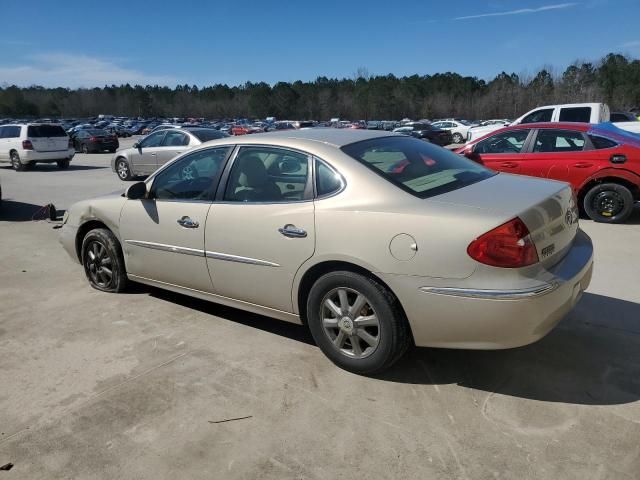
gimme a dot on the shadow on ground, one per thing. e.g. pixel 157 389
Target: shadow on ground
pixel 45 167
pixel 579 362
pixel 12 211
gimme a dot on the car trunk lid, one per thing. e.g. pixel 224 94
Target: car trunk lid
pixel 547 208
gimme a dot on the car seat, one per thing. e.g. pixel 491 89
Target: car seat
pixel 252 183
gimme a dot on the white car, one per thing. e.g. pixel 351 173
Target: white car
pixel 458 129
pixel 25 144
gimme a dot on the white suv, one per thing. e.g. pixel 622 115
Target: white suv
pixel 24 145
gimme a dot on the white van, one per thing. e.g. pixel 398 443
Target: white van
pixel 24 145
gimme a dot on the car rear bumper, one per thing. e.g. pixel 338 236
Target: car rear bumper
pixel 35 156
pixel 477 318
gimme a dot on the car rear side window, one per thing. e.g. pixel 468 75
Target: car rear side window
pixel 575 114
pixel 506 142
pixel 175 139
pixel 328 181
pixel 12 132
pixel 558 141
pixel 40 131
pixel 542 115
pixel 415 166
pixel 209 134
pixel 600 143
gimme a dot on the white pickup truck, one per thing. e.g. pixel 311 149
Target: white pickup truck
pixel 570 112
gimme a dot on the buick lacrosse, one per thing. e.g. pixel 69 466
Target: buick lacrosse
pixel 375 240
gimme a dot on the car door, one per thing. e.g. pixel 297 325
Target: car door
pixel 503 151
pixel 143 157
pixel 4 145
pixel 173 144
pixel 261 228
pixel 559 154
pixel 163 235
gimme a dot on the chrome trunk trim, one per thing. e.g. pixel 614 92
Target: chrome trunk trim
pixel 493 294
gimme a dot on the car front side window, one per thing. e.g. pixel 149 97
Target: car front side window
pixel 542 115
pixel 505 142
pixel 193 177
pixel 153 140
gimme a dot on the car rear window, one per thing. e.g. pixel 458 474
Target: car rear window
pixel 206 135
pixel 38 131
pixel 97 132
pixel 416 166
pixel 600 143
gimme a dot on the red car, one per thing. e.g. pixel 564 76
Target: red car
pixel 601 162
pixel 245 129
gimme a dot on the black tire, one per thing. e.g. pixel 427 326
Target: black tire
pixel 392 332
pixel 85 148
pixel 101 253
pixel 608 203
pixel 457 138
pixel 16 163
pixel 63 164
pixel 122 169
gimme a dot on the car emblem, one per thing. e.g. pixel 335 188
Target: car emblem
pixel 570 217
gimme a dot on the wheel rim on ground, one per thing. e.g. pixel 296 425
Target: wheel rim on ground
pixel 608 203
pixel 350 322
pixel 123 169
pixel 15 160
pixel 98 263
pixel 85 149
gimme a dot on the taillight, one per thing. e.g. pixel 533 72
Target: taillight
pixel 93 139
pixel 27 145
pixel 507 246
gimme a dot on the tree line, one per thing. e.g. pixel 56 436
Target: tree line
pixel 615 79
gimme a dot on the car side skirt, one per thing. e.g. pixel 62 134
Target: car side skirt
pixel 212 297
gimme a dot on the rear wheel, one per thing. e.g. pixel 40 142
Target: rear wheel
pixel 17 165
pixel 457 138
pixel 103 261
pixel 85 148
pixel 608 203
pixel 63 164
pixel 122 169
pixel 356 322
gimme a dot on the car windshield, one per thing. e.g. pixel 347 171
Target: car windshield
pixel 416 166
pixel 204 135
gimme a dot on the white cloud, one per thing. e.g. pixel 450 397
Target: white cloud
pixel 632 44
pixel 520 11
pixel 73 71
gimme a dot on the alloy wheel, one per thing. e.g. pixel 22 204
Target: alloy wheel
pixel 123 170
pixel 350 322
pixel 99 264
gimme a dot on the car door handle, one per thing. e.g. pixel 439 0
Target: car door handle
pixel 583 165
pixel 290 230
pixel 186 222
pixel 509 165
pixel 153 154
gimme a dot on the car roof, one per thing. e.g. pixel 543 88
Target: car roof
pixel 337 137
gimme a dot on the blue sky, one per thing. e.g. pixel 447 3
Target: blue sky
pixel 92 43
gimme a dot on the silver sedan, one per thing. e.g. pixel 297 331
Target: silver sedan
pixel 375 240
pixel 157 148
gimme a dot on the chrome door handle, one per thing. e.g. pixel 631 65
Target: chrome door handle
pixel 290 230
pixel 186 222
pixel 509 164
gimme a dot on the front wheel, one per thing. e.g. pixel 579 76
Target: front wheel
pixel 608 203
pixel 123 170
pixel 356 322
pixel 103 261
pixel 63 164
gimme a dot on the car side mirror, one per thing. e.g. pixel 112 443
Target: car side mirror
pixel 136 145
pixel 137 191
pixel 471 154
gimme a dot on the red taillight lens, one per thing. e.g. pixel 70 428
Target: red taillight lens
pixel 93 139
pixel 27 145
pixel 507 246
